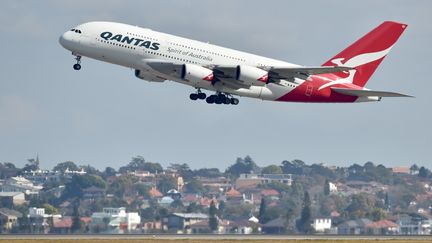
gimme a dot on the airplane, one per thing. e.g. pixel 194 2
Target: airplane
pixel 157 57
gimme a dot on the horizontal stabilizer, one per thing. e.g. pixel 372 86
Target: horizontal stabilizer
pixel 367 93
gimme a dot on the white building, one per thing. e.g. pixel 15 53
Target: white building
pixel 115 220
pixel 20 184
pixel 321 225
pixel 332 187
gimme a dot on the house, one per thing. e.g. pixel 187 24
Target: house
pixel 414 224
pixel 174 194
pixel 354 227
pixel 215 185
pixel 40 177
pixel 203 227
pixel 39 221
pixel 9 220
pixel 233 194
pixel 275 226
pixel 155 193
pixel 153 226
pixel 115 220
pixel 244 227
pixel 332 187
pixel 382 227
pixel 93 193
pixel 9 199
pixel 20 184
pixel 183 221
pixel 322 225
pixel 62 225
pixel 253 180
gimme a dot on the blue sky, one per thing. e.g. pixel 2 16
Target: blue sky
pixel 103 115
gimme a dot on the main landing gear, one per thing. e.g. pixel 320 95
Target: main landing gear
pixel 218 98
pixel 77 66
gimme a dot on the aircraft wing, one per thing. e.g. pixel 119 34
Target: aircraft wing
pixel 366 93
pixel 290 72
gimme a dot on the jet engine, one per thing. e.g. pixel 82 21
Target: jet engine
pixel 251 76
pixel 196 74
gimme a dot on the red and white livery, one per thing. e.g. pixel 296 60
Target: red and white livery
pixel 157 57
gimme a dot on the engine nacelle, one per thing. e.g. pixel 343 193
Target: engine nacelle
pixel 196 74
pixel 252 76
pixel 147 76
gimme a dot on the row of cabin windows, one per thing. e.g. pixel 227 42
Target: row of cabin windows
pixel 208 52
pixel 172 57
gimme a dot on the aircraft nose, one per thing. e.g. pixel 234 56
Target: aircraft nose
pixel 66 40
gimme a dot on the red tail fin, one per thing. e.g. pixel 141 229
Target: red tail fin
pixel 367 53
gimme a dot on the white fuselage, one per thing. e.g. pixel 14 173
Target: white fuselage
pixel 133 47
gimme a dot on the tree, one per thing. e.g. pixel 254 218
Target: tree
pixel 33 164
pixel 194 186
pixel 183 170
pixel 109 171
pixel 326 187
pixel 65 165
pixel 305 219
pixel 414 169
pixel 77 224
pixel 166 183
pixel 272 169
pixel 78 182
pixel 293 167
pixel 208 172
pixel 423 172
pixel 213 221
pixel 262 210
pixel 242 166
pixel 139 163
pixel 50 209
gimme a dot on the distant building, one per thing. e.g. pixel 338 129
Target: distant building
pixel 39 221
pixel 354 227
pixel 183 221
pixel 40 177
pixel 93 193
pixel 382 227
pixel 275 226
pixel 115 220
pixel 321 225
pixel 9 199
pixel 9 219
pixel 252 180
pixel 62 225
pixel 401 170
pixel 332 187
pixel 20 184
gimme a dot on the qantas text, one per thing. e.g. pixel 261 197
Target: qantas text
pixel 129 40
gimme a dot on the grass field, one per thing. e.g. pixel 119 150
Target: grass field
pixel 206 241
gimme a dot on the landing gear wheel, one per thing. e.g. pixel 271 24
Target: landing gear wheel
pixel 218 100
pixel 201 96
pixel 234 101
pixel 193 96
pixel 227 101
pixel 210 99
pixel 77 66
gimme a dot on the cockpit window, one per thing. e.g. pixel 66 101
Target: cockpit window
pixel 76 31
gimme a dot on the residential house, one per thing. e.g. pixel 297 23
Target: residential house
pixel 40 177
pixel 92 193
pixel 183 221
pixel 62 225
pixel 216 185
pixel 9 220
pixel 354 227
pixel 203 227
pixel 253 180
pixel 174 194
pixel 322 225
pixel 155 193
pixel 20 184
pixel 382 227
pixel 9 199
pixel 115 220
pixel 39 222
pixel 244 227
pixel 275 226
pixel 414 224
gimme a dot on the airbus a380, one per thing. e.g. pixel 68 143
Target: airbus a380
pixel 157 57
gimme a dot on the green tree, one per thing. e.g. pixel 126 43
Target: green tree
pixel 78 182
pixel 213 221
pixel 242 166
pixel 326 187
pixel 194 186
pixel 32 164
pixel 208 172
pixel 50 209
pixel 305 218
pixel 65 165
pixel 166 183
pixel 423 172
pixel 262 210
pixel 272 169
pixel 414 169
pixel 77 224
pixel 139 163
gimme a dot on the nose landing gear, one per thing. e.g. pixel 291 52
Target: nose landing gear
pixel 77 66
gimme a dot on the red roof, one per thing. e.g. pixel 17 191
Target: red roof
pixel 269 193
pixel 65 222
pixel 233 193
pixel 155 192
pixel 86 220
pixel 382 224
